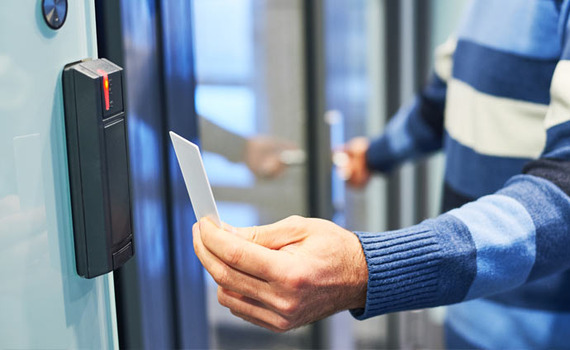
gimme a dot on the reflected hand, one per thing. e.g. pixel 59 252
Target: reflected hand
pixel 263 155
pixel 284 275
pixel 353 167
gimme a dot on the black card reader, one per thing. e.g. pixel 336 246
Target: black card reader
pixel 97 153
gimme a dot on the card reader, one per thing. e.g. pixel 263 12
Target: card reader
pixel 97 153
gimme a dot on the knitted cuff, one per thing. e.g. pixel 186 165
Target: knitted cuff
pixel 379 156
pixel 403 270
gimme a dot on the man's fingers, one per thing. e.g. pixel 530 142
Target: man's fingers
pixel 229 228
pixel 257 322
pixel 274 236
pixel 226 276
pixel 253 311
pixel 239 253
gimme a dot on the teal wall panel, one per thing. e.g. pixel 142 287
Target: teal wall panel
pixel 43 302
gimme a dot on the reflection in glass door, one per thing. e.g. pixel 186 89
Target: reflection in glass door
pixel 251 101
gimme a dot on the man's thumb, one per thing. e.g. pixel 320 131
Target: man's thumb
pixel 273 236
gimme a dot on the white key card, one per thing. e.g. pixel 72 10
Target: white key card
pixel 196 180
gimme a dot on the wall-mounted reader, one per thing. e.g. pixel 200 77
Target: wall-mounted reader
pixel 98 166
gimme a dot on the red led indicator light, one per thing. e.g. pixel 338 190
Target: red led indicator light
pixel 105 88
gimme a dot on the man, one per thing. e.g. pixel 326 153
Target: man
pixel 499 106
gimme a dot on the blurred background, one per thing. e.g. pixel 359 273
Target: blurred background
pixel 268 88
pixel 317 75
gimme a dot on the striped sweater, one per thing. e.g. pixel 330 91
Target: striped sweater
pixel 499 106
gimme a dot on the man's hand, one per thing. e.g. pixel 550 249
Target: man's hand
pixel 284 275
pixel 354 170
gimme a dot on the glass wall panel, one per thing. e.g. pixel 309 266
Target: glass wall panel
pixel 44 303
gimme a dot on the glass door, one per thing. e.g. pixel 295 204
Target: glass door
pixel 250 98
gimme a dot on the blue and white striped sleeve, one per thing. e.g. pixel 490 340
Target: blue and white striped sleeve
pixel 416 129
pixel 519 234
